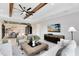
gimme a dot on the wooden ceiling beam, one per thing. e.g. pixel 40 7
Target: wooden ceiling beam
pixel 39 7
pixel 36 9
pixel 11 9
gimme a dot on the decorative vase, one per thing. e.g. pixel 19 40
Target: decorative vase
pixel 33 43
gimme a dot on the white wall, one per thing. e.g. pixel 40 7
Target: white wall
pixel 65 21
pixel 36 29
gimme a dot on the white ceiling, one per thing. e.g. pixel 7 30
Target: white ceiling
pixel 54 9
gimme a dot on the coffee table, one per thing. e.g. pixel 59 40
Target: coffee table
pixel 33 50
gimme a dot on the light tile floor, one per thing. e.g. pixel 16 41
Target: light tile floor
pixel 77 51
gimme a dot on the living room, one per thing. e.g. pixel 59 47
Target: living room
pixel 54 19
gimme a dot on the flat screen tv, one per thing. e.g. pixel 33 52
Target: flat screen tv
pixel 54 28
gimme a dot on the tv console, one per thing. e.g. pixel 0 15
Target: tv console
pixel 53 38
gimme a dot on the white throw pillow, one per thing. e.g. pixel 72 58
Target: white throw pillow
pixel 6 49
pixel 63 42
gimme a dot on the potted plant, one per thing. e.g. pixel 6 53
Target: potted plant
pixel 35 39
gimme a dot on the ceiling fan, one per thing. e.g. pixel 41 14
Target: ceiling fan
pixel 25 11
pixel 28 12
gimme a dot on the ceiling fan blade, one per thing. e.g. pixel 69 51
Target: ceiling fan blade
pixel 24 8
pixel 11 8
pixel 17 9
pixel 21 13
pixel 29 9
pixel 37 8
pixel 21 7
pixel 25 17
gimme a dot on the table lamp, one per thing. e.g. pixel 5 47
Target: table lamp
pixel 72 29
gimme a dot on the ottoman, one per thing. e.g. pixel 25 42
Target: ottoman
pixel 33 50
